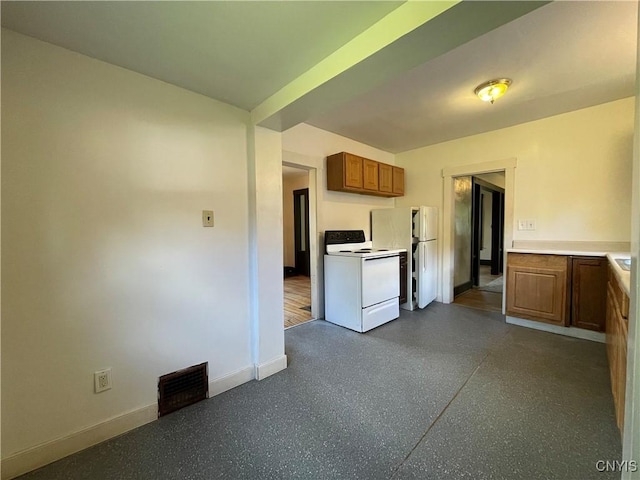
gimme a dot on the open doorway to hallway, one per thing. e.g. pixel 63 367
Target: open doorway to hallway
pixel 296 246
pixel 479 240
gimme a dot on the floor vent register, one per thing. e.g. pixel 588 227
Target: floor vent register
pixel 182 388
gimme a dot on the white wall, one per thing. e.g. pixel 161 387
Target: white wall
pixel 309 146
pixel 289 184
pixel 267 289
pixel 572 176
pixel 105 262
pixel 340 211
pixel 495 178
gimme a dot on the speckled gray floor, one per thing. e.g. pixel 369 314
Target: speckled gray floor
pixel 444 393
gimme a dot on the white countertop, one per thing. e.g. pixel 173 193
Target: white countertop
pixel 623 276
pixel 543 251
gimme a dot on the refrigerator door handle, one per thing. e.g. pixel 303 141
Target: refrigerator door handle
pixel 421 279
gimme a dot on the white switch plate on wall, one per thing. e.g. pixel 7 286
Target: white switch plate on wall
pixel 526 224
pixel 207 218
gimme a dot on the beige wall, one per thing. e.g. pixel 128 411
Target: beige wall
pixel 289 184
pixel 105 261
pixel 572 175
pixel 309 146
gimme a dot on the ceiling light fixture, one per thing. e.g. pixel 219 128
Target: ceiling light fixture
pixel 489 91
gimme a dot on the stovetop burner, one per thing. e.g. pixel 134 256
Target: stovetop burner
pixel 352 243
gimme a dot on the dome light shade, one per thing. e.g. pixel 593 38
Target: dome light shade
pixel 489 91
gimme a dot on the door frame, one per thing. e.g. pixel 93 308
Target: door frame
pixel 507 166
pixel 317 310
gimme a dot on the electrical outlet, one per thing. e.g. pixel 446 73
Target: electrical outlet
pixel 526 224
pixel 207 218
pixel 102 380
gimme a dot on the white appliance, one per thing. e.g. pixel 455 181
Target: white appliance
pixel 415 229
pixel 361 284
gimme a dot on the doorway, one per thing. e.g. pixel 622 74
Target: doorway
pixel 479 240
pixel 301 231
pixel 451 257
pixel 488 231
pixel 296 246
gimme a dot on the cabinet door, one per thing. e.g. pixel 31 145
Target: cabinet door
pixel 385 177
pixel 537 293
pixel 352 171
pixel 370 174
pixel 589 290
pixel 398 180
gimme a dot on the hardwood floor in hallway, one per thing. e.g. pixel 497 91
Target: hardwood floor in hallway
pixel 481 300
pixel 297 300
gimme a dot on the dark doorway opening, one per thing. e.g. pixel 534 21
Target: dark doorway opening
pixel 486 222
pixel 301 231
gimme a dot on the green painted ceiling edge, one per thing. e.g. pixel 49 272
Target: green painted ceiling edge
pixel 404 19
pixel 432 35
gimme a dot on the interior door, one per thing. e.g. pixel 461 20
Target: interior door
pixel 301 231
pixel 497 233
pixel 476 219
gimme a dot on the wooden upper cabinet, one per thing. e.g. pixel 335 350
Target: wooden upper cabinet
pixel 350 173
pixel 344 172
pixel 537 287
pixel 385 178
pixel 398 181
pixel 353 171
pixel 370 168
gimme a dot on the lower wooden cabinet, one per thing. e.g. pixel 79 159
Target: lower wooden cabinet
pixel 617 326
pixel 588 292
pixel 537 287
pixel 559 289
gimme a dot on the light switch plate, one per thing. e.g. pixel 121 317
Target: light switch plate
pixel 207 218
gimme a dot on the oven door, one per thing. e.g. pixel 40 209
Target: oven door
pixel 380 279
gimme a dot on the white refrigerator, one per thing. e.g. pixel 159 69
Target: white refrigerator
pixel 415 229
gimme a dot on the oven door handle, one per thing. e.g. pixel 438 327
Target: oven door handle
pixel 380 258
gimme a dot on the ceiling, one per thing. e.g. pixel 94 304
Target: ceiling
pixel 404 92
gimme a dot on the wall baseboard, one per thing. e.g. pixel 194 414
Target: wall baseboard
pixel 48 452
pixel 232 380
pixel 566 331
pixel 45 453
pixel 266 369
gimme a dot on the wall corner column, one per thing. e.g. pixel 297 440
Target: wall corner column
pixel 264 162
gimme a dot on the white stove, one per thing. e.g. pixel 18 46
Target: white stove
pixel 362 250
pixel 362 284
